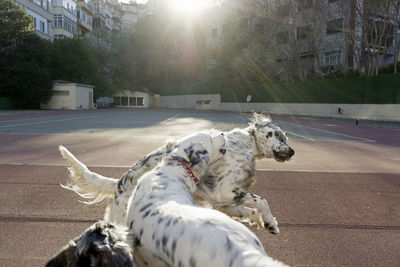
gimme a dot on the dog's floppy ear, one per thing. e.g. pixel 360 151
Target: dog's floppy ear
pixel 196 153
pixel 259 119
pixel 170 145
pixel 64 258
pixel 108 246
pixel 102 244
pixel 265 117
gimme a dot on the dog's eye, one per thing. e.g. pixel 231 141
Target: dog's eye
pixel 269 134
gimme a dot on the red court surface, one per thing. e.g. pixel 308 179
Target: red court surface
pixel 337 201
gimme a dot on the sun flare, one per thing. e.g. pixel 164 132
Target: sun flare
pixel 188 6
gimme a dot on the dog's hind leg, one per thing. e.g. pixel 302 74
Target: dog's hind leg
pixel 252 201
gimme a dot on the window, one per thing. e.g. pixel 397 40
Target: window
pixel 201 102
pixel 60 93
pixel 64 22
pixel 46 4
pixel 58 21
pixel 304 4
pixel 306 56
pixel 117 100
pixel 334 26
pixel 282 37
pixel 34 23
pixel 333 58
pixel 37 2
pixel 380 34
pixel 124 101
pixel 303 32
pixel 140 101
pixel 132 101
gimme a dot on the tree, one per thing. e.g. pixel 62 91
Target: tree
pixel 300 30
pixel 372 29
pixel 75 60
pixel 25 72
pixel 24 59
pixel 15 23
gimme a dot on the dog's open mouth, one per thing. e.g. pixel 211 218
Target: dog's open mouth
pixel 283 156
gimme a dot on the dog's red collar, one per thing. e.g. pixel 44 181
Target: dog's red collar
pixel 188 170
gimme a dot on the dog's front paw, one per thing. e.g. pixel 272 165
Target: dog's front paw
pixel 272 226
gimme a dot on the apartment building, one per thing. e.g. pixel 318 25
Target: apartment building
pixel 129 16
pixel 85 17
pixel 116 18
pixel 308 37
pixel 41 13
pixel 65 18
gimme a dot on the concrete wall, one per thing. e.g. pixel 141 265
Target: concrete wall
pixel 61 101
pixel 212 101
pixel 386 112
pixel 82 97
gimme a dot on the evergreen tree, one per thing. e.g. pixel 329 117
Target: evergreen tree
pixel 24 59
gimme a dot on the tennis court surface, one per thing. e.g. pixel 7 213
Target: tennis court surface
pixel 337 201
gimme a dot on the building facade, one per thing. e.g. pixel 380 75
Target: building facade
pixel 42 15
pixel 129 16
pixel 84 17
pixel 100 20
pixel 65 18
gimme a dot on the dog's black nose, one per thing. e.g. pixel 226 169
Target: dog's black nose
pixel 223 151
pixel 291 152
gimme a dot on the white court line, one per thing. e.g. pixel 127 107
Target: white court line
pixel 60 165
pixel 330 132
pixel 239 116
pixel 94 134
pixel 42 122
pixel 302 136
pixel 173 117
pixel 129 166
pixel 330 171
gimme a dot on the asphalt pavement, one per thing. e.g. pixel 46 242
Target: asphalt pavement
pixel 337 201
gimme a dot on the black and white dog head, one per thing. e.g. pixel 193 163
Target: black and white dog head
pixel 270 139
pixel 102 244
pixel 198 150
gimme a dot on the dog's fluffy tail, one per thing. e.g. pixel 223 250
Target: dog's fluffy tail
pixel 89 185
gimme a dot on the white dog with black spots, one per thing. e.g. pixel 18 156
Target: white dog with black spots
pixel 171 230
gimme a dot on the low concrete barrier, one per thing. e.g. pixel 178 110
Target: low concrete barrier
pixel 212 101
pixel 379 112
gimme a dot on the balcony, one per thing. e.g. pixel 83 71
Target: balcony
pixel 83 24
pixel 85 5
